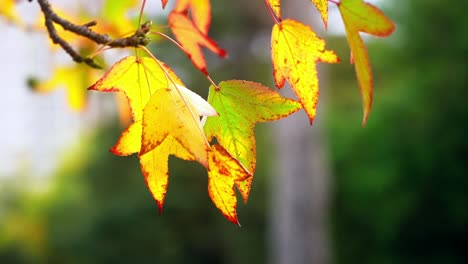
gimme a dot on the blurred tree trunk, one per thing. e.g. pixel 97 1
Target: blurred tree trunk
pixel 300 189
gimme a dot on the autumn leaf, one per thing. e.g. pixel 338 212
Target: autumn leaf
pixel 125 112
pixel 164 3
pixel 154 164
pixel 200 11
pixel 168 114
pixel 74 79
pixel 322 6
pixel 295 51
pixel 138 78
pixel 241 105
pixel 275 6
pixel 224 171
pixel 359 16
pixel 166 118
pixel 192 39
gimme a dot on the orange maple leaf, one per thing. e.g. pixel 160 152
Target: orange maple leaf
pixel 191 39
pixel 200 11
pixel 359 16
pixel 295 50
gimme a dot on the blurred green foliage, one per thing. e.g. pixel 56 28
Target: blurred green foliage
pixel 400 194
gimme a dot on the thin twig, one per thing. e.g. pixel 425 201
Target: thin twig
pixel 139 38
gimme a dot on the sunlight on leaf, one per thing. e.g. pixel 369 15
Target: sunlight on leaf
pixel 200 11
pixel 295 50
pixel 138 78
pixel 363 17
pixel 130 140
pixel 166 118
pixel 167 113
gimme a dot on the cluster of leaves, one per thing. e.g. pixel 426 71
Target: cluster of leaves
pixel 170 119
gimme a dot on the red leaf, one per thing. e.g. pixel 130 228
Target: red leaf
pixel 200 10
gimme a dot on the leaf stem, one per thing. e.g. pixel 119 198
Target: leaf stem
pixel 213 83
pixel 273 16
pixel 141 12
pixel 169 38
pixel 183 50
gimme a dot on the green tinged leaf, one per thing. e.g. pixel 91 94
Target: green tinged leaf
pixel 240 105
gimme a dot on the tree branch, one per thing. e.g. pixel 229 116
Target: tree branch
pixel 139 38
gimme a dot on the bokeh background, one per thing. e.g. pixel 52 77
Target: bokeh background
pixel 395 191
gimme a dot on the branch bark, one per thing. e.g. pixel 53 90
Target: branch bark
pixel 139 38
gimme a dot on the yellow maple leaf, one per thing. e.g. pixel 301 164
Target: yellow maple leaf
pixel 295 51
pixel 138 79
pixel 154 164
pixel 166 118
pixel 322 6
pixel 359 16
pixel 167 113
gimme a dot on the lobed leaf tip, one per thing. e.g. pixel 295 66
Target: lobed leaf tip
pixel 365 117
pixel 164 3
pixel 92 88
pixel 114 151
pixel 233 219
pixel 222 53
pixel 160 206
pixel 311 120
